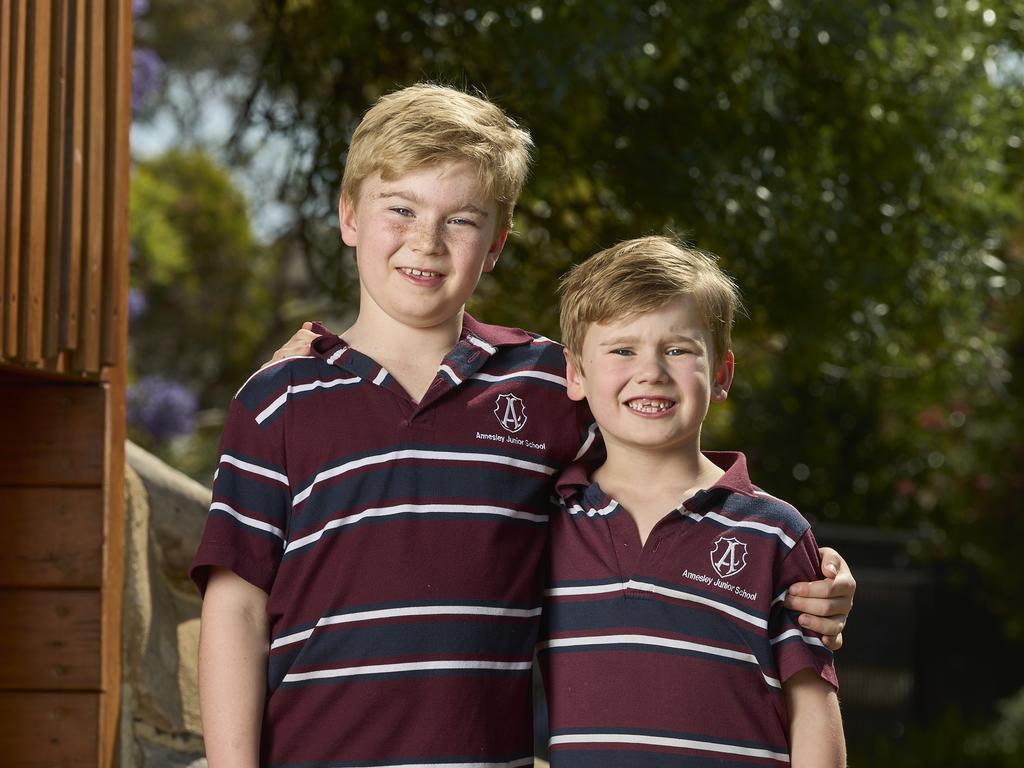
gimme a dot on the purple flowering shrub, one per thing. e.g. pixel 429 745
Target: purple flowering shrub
pixel 137 304
pixel 147 75
pixel 162 407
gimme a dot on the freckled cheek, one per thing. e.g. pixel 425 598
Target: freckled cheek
pixel 397 228
pixel 464 237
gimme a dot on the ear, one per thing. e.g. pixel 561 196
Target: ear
pixel 723 378
pixel 574 378
pixel 495 250
pixel 347 218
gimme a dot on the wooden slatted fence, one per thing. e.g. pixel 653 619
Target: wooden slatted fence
pixel 65 110
pixel 65 106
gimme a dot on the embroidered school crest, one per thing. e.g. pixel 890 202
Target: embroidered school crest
pixel 729 556
pixel 511 412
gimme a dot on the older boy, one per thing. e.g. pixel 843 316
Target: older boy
pixel 380 505
pixel 666 640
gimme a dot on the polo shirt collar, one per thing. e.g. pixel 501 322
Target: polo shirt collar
pixel 478 342
pixel 492 335
pixel 495 335
pixel 736 478
pixel 575 478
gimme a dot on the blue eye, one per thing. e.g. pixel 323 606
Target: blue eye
pixel 622 352
pixel 401 211
pixel 464 222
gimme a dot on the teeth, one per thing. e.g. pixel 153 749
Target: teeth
pixel 419 272
pixel 649 406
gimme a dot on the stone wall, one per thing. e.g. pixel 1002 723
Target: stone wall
pixel 165 513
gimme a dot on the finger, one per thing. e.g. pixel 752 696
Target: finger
pixel 834 567
pixel 307 326
pixel 831 559
pixel 833 642
pixel 822 588
pixel 298 345
pixel 291 349
pixel 824 625
pixel 820 606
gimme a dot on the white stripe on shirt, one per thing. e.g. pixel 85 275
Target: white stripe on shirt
pixel 382 458
pixel 412 610
pixel 665 741
pixel 414 509
pixel 410 666
pixel 246 520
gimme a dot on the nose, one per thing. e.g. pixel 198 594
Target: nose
pixel 428 239
pixel 651 368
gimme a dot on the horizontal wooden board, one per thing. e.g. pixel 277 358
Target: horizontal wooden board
pixel 49 730
pixel 52 434
pixel 55 537
pixel 54 634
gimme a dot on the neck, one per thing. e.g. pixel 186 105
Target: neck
pixel 379 335
pixel 679 474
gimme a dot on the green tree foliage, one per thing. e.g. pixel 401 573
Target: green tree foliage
pixel 209 291
pixel 855 164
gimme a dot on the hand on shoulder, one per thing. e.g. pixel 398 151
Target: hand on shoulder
pixel 299 344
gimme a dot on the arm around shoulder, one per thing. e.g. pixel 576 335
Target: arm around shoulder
pixel 815 726
pixel 233 647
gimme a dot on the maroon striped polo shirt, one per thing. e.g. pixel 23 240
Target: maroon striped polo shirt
pixel 400 546
pixel 674 653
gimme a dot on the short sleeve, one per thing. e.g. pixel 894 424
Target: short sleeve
pixel 247 523
pixel 797 648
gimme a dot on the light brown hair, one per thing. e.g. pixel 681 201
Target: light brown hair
pixel 637 276
pixel 425 124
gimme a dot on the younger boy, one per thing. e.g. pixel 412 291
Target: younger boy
pixel 666 642
pixel 372 556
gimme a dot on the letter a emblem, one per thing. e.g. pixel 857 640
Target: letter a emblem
pixel 511 412
pixel 729 556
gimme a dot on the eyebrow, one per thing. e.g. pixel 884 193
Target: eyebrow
pixel 414 198
pixel 617 340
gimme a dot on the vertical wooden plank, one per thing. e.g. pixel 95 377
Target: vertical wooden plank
pixel 37 126
pixel 115 252
pixel 71 248
pixel 87 357
pixel 5 111
pixel 15 178
pixel 113 563
pixel 55 221
pixel 116 379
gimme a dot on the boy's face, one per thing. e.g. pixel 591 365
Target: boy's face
pixel 649 379
pixel 422 241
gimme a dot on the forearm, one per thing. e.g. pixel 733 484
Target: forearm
pixel 816 737
pixel 232 673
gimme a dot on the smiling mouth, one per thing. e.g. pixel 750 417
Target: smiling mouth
pixel 649 405
pixel 421 273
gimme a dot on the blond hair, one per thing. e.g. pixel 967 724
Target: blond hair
pixel 425 124
pixel 641 275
